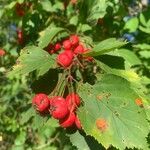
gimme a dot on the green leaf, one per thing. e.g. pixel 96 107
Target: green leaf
pixel 78 140
pixel 145 54
pixel 130 58
pixel 73 20
pixel 83 142
pixel 106 46
pixel 143 46
pixel 85 27
pixel 26 116
pixel 33 58
pixel 48 35
pixel 39 121
pixel 137 83
pixel 20 1
pixel 11 5
pixel 20 140
pixel 129 75
pixel 98 10
pixel 142 19
pixel 148 23
pixel 143 29
pixel 111 115
pixel 46 4
pixel 132 24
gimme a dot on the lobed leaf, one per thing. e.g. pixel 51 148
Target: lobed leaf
pixel 106 46
pixel 111 115
pixel 97 10
pixel 83 142
pixel 33 58
pixel 48 35
pixel 132 24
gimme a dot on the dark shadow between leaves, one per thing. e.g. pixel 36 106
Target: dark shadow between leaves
pixel 112 61
pixel 46 83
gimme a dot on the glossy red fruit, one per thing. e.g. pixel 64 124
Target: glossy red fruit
pixel 73 101
pixel 58 107
pixel 57 47
pixel 77 122
pixel 79 49
pixel 67 45
pixel 41 102
pixel 20 36
pixel 65 59
pixel 2 52
pixel 67 121
pixel 74 40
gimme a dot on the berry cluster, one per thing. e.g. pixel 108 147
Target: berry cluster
pixel 63 109
pixel 63 101
pixel 20 38
pixel 71 49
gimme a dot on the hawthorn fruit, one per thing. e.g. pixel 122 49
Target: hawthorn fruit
pixel 41 102
pixel 58 107
pixel 68 121
pixel 65 59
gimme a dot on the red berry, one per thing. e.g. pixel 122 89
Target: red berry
pixel 51 51
pixel 73 100
pixel 68 121
pixel 58 107
pixel 2 52
pixel 41 102
pixel 67 44
pixel 79 49
pixel 70 54
pixel 77 122
pixel 74 40
pixel 57 47
pixel 65 59
pixel 20 36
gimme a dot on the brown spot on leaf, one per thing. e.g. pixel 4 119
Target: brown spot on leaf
pixel 139 102
pixel 100 97
pixel 101 124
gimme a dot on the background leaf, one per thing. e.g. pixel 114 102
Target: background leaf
pixel 83 142
pixel 98 10
pixel 132 24
pixel 33 58
pixel 48 35
pixel 106 46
